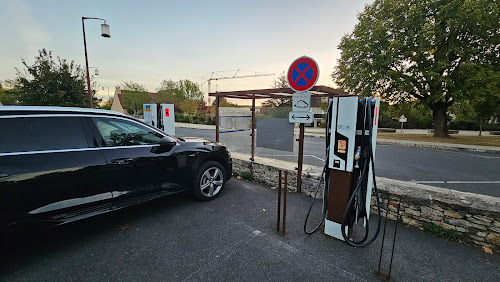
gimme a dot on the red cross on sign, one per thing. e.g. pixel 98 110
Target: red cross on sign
pixel 303 74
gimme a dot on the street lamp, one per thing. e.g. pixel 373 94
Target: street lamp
pixel 109 97
pixel 104 33
pixel 96 71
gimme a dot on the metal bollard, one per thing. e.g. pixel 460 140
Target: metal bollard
pixel 285 188
pixel 380 275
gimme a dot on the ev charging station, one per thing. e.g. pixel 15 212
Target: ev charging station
pixel 349 172
pixel 161 116
pixel 352 134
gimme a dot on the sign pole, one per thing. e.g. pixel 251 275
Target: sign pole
pixel 402 127
pixel 300 157
pixel 302 75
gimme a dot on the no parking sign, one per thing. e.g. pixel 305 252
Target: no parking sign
pixel 303 74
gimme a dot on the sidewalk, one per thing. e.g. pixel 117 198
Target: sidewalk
pixel 320 133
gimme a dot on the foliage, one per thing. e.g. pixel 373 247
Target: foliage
pixel 275 112
pixel 486 103
pixel 177 92
pixel 189 107
pixel 168 92
pixel 133 86
pixel 134 96
pixel 419 114
pixel 7 96
pixel 280 82
pixel 439 231
pixel 107 105
pixel 438 51
pixel 190 90
pixel 52 82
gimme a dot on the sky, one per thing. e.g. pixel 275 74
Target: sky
pixel 156 40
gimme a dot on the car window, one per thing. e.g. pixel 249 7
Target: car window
pixel 118 132
pixel 40 134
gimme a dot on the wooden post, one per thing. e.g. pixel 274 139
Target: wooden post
pixel 217 118
pixel 253 127
pixel 300 158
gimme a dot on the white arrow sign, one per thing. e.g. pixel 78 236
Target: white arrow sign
pixel 301 117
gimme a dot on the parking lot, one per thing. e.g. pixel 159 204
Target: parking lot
pixel 230 238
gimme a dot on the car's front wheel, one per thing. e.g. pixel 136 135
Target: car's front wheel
pixel 209 181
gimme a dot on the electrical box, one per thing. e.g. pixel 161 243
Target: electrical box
pixel 150 114
pixel 168 118
pixel 343 133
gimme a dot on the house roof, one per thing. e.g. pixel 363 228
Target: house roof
pixel 120 99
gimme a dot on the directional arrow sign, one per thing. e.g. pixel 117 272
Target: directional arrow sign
pixel 301 117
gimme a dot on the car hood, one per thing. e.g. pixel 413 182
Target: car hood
pixel 197 140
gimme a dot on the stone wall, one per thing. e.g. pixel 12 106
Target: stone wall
pixel 468 217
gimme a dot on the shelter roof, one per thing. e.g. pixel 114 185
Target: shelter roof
pixel 316 91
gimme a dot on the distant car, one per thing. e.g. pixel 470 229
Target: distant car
pixel 59 165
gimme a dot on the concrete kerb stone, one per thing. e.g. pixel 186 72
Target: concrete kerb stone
pixel 469 215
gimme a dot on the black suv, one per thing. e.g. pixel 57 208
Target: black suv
pixel 58 165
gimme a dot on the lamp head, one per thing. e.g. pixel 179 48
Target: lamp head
pixel 105 30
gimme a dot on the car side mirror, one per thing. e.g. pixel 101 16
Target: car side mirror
pixel 167 141
pixel 166 144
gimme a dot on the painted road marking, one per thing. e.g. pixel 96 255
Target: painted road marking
pixel 474 155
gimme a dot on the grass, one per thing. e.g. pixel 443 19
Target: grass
pixel 486 140
pixel 439 231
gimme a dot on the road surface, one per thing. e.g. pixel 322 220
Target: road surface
pixel 459 170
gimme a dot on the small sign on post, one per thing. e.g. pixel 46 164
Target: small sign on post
pixel 402 120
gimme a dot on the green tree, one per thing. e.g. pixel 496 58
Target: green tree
pixel 190 90
pixel 177 92
pixel 279 82
pixel 7 96
pixel 169 92
pixel 190 107
pixel 107 105
pixel 52 82
pixel 134 96
pixel 431 50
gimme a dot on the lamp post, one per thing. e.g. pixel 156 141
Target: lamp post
pixel 109 97
pixel 104 33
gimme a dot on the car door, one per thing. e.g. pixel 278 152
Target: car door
pixel 50 169
pixel 137 169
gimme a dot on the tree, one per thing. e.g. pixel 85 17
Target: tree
pixel 190 107
pixel 107 105
pixel 177 92
pixel 280 82
pixel 431 50
pixel 52 82
pixel 134 96
pixel 190 90
pixel 7 96
pixel 168 92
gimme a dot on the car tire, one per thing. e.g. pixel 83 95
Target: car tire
pixel 209 181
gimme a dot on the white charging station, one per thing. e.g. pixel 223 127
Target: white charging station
pixel 168 118
pixel 348 138
pixel 161 116
pixel 150 114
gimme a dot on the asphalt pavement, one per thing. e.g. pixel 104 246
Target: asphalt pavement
pixel 475 172
pixel 230 239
